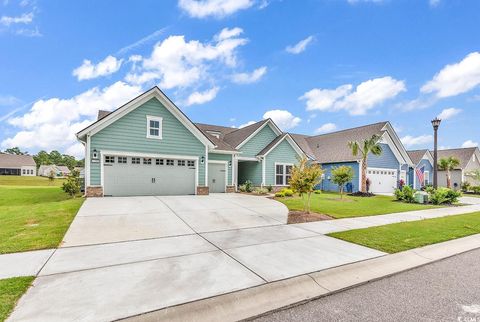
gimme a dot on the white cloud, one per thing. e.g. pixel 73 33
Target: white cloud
pixel 52 123
pixel 25 18
pixel 409 140
pixel 449 113
pixel 202 97
pixel 246 124
pixel 325 128
pixel 180 63
pixel 469 144
pixel 106 67
pixel 456 78
pixel 299 47
pixel 141 42
pixel 213 8
pixel 248 78
pixel 366 96
pixel 434 3
pixel 284 119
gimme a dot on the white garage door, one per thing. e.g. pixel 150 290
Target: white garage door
pixel 382 180
pixel 138 176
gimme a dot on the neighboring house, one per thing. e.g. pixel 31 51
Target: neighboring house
pixel 422 173
pixel 469 162
pixel 17 165
pixel 332 150
pixel 149 147
pixel 59 171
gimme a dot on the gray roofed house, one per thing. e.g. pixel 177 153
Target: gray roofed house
pixel 469 162
pixel 417 155
pixel 464 155
pixel 19 165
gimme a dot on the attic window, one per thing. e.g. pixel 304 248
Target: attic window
pixel 214 133
pixel 154 127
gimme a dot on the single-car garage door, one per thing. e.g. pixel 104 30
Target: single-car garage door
pixel 139 176
pixel 382 180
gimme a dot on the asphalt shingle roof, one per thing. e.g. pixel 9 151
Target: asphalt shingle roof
pixel 234 138
pixel 417 155
pixel 15 161
pixel 462 154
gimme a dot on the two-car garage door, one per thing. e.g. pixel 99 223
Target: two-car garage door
pixel 140 176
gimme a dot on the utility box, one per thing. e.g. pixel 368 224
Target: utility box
pixel 421 197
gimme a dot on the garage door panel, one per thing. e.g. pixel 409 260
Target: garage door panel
pixel 382 180
pixel 127 179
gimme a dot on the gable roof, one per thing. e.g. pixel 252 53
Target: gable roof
pixel 285 136
pixel 219 142
pixel 16 161
pixel 101 114
pixel 333 147
pixel 417 155
pixel 464 155
pixel 154 92
pixel 234 138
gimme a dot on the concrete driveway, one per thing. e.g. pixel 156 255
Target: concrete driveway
pixel 126 256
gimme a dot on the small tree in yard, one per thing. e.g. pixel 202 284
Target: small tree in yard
pixel 448 164
pixel 341 176
pixel 304 177
pixel 51 176
pixel 72 185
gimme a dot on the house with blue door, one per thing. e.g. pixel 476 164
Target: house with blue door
pixel 150 147
pixel 421 174
pixel 384 171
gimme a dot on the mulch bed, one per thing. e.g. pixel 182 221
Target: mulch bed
pixel 362 194
pixel 297 217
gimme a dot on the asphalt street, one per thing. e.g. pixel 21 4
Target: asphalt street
pixel 448 290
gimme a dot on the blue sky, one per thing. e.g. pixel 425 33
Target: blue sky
pixel 313 66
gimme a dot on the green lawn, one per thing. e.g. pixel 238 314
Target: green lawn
pixel 11 289
pixel 407 235
pixel 328 203
pixel 29 181
pixel 34 217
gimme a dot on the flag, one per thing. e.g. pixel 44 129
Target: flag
pixel 420 175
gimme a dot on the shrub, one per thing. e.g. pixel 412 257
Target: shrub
pixel 466 186
pixel 269 188
pixel 260 191
pixel 279 194
pixel 287 192
pixel 408 194
pixel 398 194
pixel 242 188
pixel 304 177
pixel 444 196
pixel 476 189
pixel 72 185
pixel 248 186
pixel 317 192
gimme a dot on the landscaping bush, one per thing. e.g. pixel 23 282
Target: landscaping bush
pixel 466 186
pixel 248 186
pixel 269 188
pixel 72 185
pixel 317 192
pixel 242 188
pixel 260 191
pixel 279 194
pixel 287 192
pixel 444 196
pixel 408 194
pixel 398 194
pixel 476 189
pixel 362 194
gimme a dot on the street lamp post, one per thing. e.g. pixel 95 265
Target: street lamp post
pixel 436 123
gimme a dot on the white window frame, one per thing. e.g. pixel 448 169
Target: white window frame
pixel 426 178
pixel 284 174
pixel 160 127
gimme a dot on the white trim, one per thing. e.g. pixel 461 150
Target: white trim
pixel 264 161
pixel 206 167
pixel 398 143
pixel 226 171
pixel 414 177
pixel 160 127
pixel 272 125
pixel 284 173
pixel 234 171
pixel 427 156
pixel 148 155
pixel 224 152
pixel 155 92
pixel 386 139
pixel 247 159
pixel 87 163
pixel 426 176
pixel 476 152
pixel 292 143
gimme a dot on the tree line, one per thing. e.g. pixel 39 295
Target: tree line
pixel 54 157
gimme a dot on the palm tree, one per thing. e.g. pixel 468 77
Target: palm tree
pixel 365 148
pixel 448 164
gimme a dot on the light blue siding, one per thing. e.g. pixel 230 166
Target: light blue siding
pixel 428 167
pixel 283 153
pixel 129 134
pixel 250 170
pixel 327 183
pixel 386 160
pixel 223 157
pixel 258 142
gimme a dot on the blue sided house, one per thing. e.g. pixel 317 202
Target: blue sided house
pixel 150 147
pixel 421 174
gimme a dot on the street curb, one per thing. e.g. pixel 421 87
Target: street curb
pixel 260 300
